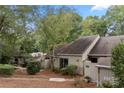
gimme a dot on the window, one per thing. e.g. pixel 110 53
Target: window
pixel 93 60
pixel 63 62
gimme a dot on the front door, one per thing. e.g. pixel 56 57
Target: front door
pixel 63 62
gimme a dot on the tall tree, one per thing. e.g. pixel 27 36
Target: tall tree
pixel 115 17
pixel 60 26
pixel 94 25
pixel 15 24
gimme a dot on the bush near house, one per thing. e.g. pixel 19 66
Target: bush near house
pixel 106 84
pixel 33 67
pixel 6 69
pixel 118 65
pixel 64 71
pixel 56 70
pixel 69 70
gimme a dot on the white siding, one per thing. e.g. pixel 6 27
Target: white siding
pixel 104 61
pixel 56 62
pixel 105 74
pixel 91 70
pixel 72 60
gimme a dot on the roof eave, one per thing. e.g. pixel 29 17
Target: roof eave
pixel 100 55
pixel 69 55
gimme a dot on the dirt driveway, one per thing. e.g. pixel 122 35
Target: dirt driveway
pixel 41 80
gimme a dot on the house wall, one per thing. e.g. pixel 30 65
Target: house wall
pixel 56 62
pixel 45 63
pixel 104 61
pixel 72 60
pixel 91 70
pixel 105 74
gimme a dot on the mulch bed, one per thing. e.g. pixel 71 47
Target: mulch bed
pixel 40 80
pixel 42 74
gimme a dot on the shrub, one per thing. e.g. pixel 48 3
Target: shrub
pixel 106 84
pixel 38 66
pixel 33 67
pixel 64 71
pixel 69 70
pixel 4 59
pixel 6 69
pixel 56 70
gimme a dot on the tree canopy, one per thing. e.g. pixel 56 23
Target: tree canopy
pixel 41 28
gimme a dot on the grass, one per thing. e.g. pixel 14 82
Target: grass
pixel 6 66
pixel 7 69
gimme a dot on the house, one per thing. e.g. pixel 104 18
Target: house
pixel 74 53
pixel 101 55
pixel 91 54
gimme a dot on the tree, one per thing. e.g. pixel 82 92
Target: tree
pixel 118 65
pixel 15 27
pixel 86 26
pixel 59 26
pixel 94 25
pixel 115 19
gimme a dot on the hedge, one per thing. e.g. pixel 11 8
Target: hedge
pixel 6 69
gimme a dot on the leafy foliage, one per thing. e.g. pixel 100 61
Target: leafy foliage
pixel 106 84
pixel 94 25
pixel 115 19
pixel 118 65
pixel 59 28
pixel 14 26
pixel 6 69
pixel 56 70
pixel 27 29
pixel 69 70
pixel 33 67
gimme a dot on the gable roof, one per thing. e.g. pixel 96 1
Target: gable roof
pixel 59 48
pixel 105 44
pixel 76 47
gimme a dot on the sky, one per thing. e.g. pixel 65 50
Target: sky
pixel 91 10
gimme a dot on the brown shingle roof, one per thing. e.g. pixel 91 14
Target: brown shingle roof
pixel 59 48
pixel 78 46
pixel 104 46
pixel 56 50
